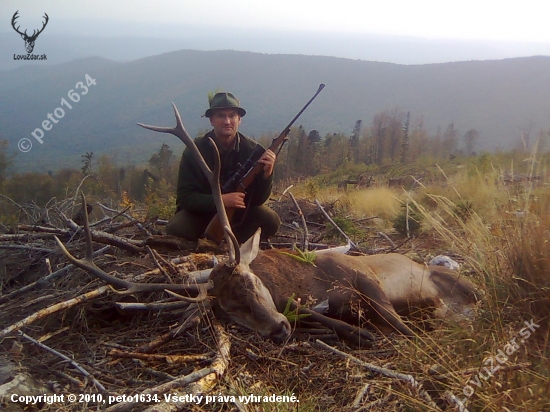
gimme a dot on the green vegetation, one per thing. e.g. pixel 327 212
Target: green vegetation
pixel 302 256
pixel 293 316
pixel 408 220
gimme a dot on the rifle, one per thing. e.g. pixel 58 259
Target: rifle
pixel 247 172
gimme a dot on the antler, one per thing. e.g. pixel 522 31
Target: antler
pixel 213 177
pixel 43 27
pixel 88 265
pixel 15 16
pixel 34 33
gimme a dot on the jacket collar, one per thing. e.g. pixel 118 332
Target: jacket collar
pixel 236 144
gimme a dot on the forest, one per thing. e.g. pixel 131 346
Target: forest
pixel 392 141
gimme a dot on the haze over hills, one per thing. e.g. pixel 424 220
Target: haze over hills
pixel 66 40
pixel 498 98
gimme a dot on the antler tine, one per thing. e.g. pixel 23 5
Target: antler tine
pixel 213 176
pixel 35 33
pixel 15 17
pixel 234 250
pixel 180 132
pixel 87 264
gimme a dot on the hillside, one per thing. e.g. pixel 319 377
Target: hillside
pixel 498 98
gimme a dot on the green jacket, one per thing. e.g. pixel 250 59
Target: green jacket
pixel 194 193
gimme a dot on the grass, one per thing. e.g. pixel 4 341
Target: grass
pixel 505 242
pixel 502 231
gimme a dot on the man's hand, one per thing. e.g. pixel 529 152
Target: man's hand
pixel 268 160
pixel 234 200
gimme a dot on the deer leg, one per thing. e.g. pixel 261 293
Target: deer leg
pixel 375 297
pixel 349 333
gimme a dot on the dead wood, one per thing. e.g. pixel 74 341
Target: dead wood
pixel 303 220
pixel 29 247
pixel 115 353
pixel 220 362
pixel 188 323
pixel 83 371
pixel 360 395
pixel 45 280
pixel 164 306
pixel 42 229
pixel 53 309
pixel 336 226
pixel 408 379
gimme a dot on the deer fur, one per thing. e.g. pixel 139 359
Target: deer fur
pixel 380 287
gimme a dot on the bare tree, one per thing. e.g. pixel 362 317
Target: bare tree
pixel 470 139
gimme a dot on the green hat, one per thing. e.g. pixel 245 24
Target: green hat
pixel 224 100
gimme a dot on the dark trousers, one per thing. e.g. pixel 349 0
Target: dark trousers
pixel 191 226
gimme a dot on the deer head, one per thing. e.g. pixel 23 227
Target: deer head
pixel 29 40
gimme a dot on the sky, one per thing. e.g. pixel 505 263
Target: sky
pixel 505 20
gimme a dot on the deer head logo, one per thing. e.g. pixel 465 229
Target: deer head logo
pixel 29 40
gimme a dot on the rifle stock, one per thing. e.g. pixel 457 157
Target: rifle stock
pixel 215 231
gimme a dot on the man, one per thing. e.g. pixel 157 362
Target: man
pixel 195 203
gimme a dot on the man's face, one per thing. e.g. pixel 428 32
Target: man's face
pixel 225 123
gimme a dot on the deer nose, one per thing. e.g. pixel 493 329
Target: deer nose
pixel 281 331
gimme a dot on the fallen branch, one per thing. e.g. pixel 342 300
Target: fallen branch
pixel 382 234
pixel 408 379
pixel 31 248
pixel 157 264
pixel 115 353
pixel 118 213
pixel 188 323
pixel 43 229
pixel 130 245
pixel 164 306
pixel 39 232
pixel 53 309
pixel 27 237
pixel 43 281
pixel 304 245
pixel 220 363
pixel 181 381
pixel 354 246
pixel 360 395
pixel 71 361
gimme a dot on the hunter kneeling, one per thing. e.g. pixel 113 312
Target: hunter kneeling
pixel 195 206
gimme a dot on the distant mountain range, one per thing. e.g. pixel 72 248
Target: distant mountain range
pixel 498 98
pixel 67 40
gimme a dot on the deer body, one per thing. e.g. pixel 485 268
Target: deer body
pixel 383 286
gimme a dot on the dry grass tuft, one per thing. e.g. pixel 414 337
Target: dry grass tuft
pixel 504 239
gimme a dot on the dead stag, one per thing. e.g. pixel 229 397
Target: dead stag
pixel 253 287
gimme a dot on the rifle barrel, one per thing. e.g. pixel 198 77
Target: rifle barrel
pixel 321 87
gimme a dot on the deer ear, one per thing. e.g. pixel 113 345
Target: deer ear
pixel 249 250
